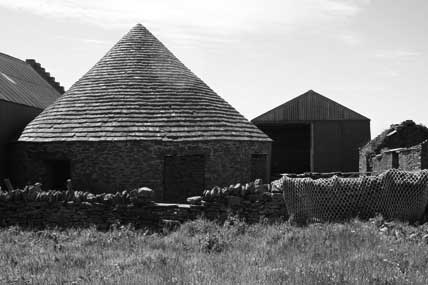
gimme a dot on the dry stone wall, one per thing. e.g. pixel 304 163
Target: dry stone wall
pixel 252 201
pixel 36 208
pixel 32 207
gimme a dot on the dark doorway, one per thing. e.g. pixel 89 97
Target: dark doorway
pixel 369 164
pixel 291 148
pixel 59 172
pixel 259 167
pixel 395 160
pixel 184 176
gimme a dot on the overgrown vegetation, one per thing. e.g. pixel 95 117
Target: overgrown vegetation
pixel 405 134
pixel 203 252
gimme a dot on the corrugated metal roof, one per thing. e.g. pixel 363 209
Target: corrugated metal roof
pixel 140 91
pixel 310 106
pixel 21 84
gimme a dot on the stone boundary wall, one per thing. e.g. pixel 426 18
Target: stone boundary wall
pixel 35 208
pixel 252 201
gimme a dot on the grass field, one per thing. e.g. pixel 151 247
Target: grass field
pixel 203 252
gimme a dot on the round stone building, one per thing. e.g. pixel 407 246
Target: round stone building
pixel 140 117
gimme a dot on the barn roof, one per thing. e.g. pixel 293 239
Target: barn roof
pixel 310 106
pixel 20 83
pixel 140 91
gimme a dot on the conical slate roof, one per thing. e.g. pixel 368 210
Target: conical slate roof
pixel 140 91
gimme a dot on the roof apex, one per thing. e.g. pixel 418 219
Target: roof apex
pixel 309 106
pixel 140 91
pixel 138 26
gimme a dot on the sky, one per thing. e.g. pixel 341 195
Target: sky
pixel 369 55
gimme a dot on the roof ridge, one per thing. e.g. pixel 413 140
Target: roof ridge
pixel 333 101
pixel 308 93
pixel 12 57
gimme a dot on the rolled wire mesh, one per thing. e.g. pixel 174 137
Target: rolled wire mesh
pixel 394 194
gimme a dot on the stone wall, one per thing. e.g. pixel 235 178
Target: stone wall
pixel 364 156
pixel 410 159
pixel 108 166
pixel 32 207
pixel 382 162
pixel 424 155
pixel 251 201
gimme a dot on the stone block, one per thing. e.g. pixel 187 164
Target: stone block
pixel 254 197
pixel 260 188
pixel 145 192
pixel 195 200
pixel 233 201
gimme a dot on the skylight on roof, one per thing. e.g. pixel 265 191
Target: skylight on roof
pixel 8 78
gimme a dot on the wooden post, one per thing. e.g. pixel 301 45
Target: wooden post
pixel 312 155
pixel 69 185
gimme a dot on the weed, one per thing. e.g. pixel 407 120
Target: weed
pixel 204 252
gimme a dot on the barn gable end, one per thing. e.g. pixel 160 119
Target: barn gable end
pixel 313 133
pixel 310 106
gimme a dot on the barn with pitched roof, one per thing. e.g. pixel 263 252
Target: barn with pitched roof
pixel 312 133
pixel 140 117
pixel 25 90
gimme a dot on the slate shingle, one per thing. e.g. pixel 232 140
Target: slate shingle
pixel 140 91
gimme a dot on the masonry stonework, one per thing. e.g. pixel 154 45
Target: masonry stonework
pixel 114 166
pixel 382 162
pixel 409 159
pixel 424 155
pixel 32 207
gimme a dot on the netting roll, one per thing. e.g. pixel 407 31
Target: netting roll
pixel 394 194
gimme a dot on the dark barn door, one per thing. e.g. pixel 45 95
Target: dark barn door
pixel 184 176
pixel 59 172
pixel 291 148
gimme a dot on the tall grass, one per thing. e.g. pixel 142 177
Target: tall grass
pixel 203 252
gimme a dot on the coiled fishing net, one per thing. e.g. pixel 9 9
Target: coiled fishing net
pixel 394 194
